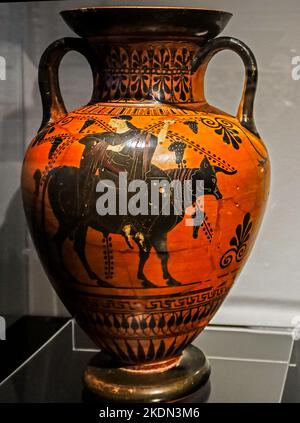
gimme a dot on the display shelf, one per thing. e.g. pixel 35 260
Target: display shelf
pixel 248 365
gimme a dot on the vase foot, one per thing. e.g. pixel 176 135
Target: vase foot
pixel 180 377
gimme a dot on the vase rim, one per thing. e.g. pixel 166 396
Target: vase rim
pixel 146 21
pixel 147 7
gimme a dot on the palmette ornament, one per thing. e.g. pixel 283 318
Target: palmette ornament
pixel 143 285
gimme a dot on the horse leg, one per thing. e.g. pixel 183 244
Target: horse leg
pixel 161 247
pixel 79 247
pixel 144 255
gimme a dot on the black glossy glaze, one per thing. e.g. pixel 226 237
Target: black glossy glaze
pixel 146 22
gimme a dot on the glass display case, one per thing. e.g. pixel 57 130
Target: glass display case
pixel 249 365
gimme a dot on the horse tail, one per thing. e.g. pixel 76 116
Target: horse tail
pixel 37 179
pixel 45 185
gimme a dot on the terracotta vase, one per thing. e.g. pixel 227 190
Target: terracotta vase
pixel 143 286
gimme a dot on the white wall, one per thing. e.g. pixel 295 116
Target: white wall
pixel 268 290
pixel 13 252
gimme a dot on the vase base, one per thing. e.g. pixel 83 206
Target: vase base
pixel 109 382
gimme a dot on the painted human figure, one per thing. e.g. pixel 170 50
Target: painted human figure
pixel 127 149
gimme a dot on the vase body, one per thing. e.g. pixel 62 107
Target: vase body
pixel 141 286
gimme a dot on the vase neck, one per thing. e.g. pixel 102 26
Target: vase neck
pixel 155 71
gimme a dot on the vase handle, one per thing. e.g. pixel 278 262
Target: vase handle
pixel 52 102
pixel 205 54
